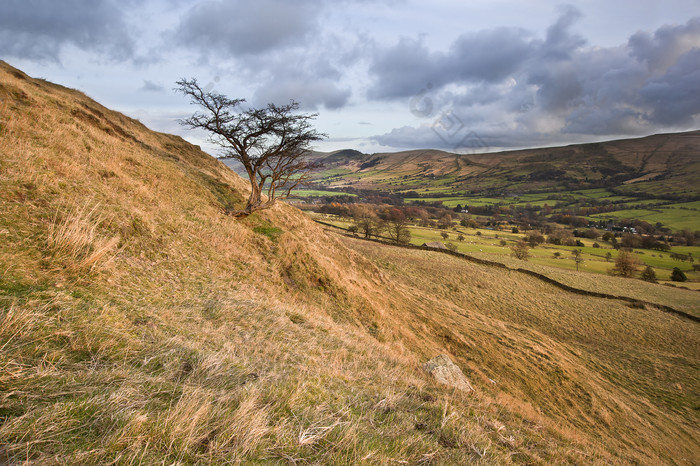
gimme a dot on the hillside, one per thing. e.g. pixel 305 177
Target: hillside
pixel 663 165
pixel 139 324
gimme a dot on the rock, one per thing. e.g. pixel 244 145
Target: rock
pixel 446 372
pixel 434 245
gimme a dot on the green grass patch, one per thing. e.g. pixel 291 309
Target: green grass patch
pixel 670 216
pixel 318 193
pixel 270 231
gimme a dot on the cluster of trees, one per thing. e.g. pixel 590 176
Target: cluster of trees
pixel 562 237
pixel 682 257
pixel 529 217
pixel 428 216
pixel 391 222
pixel 627 265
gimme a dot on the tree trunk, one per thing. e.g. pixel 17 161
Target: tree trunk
pixel 254 201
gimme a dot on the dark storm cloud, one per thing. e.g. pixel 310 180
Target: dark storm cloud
pixel 675 96
pixel 487 56
pixel 277 44
pixel 407 67
pixel 652 82
pixel 560 41
pixel 558 86
pixel 239 27
pixel 666 45
pixel 404 69
pixel 310 93
pixel 39 29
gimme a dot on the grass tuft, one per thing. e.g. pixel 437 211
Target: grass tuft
pixel 75 239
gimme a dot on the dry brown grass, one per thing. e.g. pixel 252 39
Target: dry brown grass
pixel 202 339
pixel 589 366
pixel 74 239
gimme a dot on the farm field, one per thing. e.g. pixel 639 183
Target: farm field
pixel 487 244
pixel 651 179
pixel 674 216
pixel 304 193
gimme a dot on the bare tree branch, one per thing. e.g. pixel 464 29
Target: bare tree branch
pixel 271 143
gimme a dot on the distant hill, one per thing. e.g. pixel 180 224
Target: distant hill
pixel 139 324
pixel 658 165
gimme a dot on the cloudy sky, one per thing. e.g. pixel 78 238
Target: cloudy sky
pixel 383 75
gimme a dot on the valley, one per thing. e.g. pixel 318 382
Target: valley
pixel 585 197
pixel 141 324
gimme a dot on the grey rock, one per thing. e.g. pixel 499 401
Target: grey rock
pixel 446 372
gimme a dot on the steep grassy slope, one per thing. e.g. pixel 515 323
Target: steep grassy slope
pixel 625 374
pixel 658 165
pixel 138 324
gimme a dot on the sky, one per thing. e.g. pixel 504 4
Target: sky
pixel 462 76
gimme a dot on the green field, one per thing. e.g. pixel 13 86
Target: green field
pixel 676 216
pixel 299 193
pixel 486 243
pixel 671 216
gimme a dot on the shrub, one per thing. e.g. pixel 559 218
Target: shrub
pixel 678 275
pixel 520 250
pixel 578 257
pixel 445 221
pixel 596 245
pixel 535 238
pixel 515 230
pixel 648 275
pixel 626 265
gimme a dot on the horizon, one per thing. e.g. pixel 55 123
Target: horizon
pixel 518 148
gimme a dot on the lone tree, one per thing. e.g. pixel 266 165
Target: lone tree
pixel 520 250
pixel 367 222
pixel 397 227
pixel 678 275
pixel 578 257
pixel 626 265
pixel 649 275
pixel 270 142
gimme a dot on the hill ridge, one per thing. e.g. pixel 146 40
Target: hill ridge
pixel 663 164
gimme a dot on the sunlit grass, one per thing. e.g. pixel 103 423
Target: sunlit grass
pixel 209 340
